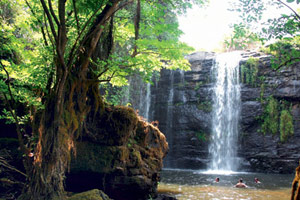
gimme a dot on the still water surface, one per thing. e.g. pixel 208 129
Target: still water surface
pixel 194 185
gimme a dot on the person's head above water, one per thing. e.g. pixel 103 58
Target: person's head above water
pixel 241 180
pixel 217 179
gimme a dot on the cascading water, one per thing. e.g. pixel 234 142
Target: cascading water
pixel 182 82
pixel 226 111
pixel 148 102
pixel 169 135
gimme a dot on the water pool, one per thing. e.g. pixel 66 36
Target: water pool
pixel 194 185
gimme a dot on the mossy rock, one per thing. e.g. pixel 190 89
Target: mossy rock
pixel 114 126
pixel 93 157
pixel 90 195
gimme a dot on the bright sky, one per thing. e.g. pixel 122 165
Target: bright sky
pixel 205 28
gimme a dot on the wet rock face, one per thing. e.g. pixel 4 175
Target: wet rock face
pixel 266 153
pixel 182 103
pixel 183 110
pixel 122 156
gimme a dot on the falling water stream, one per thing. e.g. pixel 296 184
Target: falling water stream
pixel 148 102
pixel 168 161
pixel 226 111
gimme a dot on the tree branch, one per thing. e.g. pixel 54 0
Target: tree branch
pixel 11 109
pixel 46 10
pixel 92 37
pixel 62 33
pixel 72 52
pixel 78 48
pixel 76 16
pixel 49 36
pixel 40 22
pixel 136 27
pixel 296 14
pixel 52 12
pixel 287 62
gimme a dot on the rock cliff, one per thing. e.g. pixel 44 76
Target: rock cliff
pixel 182 103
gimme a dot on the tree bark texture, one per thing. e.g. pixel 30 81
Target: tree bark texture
pixel 296 185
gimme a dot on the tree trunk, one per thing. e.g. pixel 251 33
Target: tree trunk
pixel 65 111
pixel 296 185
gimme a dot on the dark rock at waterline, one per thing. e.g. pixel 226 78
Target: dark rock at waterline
pixel 94 194
pixel 165 197
pixel 183 110
pixel 127 165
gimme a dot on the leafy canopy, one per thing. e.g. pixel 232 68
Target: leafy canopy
pixel 28 48
pixel 280 32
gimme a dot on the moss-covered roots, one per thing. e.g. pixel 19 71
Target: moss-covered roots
pixel 296 185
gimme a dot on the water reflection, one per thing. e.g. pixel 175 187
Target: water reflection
pixel 194 185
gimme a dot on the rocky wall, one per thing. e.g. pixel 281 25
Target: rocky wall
pixel 182 103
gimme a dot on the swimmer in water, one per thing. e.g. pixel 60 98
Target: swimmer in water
pixel 240 184
pixel 256 180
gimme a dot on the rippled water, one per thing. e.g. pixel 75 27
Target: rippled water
pixel 194 185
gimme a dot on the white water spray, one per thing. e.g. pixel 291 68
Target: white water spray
pixel 226 112
pixel 148 101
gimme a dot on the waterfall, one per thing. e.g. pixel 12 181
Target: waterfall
pixel 169 135
pixel 138 94
pixel 148 102
pixel 226 112
pixel 182 82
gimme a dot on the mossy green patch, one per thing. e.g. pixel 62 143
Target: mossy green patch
pixel 286 125
pixel 205 106
pixel 249 71
pixel 201 136
pixel 271 116
pixel 94 157
pixel 277 118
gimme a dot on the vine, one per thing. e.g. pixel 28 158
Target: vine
pixel 249 71
pixel 286 125
pixel 277 118
pixel 271 116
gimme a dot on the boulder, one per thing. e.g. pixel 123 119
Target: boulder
pixel 127 166
pixel 90 195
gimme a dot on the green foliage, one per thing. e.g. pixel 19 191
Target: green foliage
pixel 249 71
pixel 29 61
pixel 286 125
pixel 291 1
pixel 262 91
pixel 115 95
pixel 206 106
pixel 241 38
pixel 284 28
pixel 202 137
pixel 179 104
pixel 285 52
pixel 271 117
pixel 277 118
